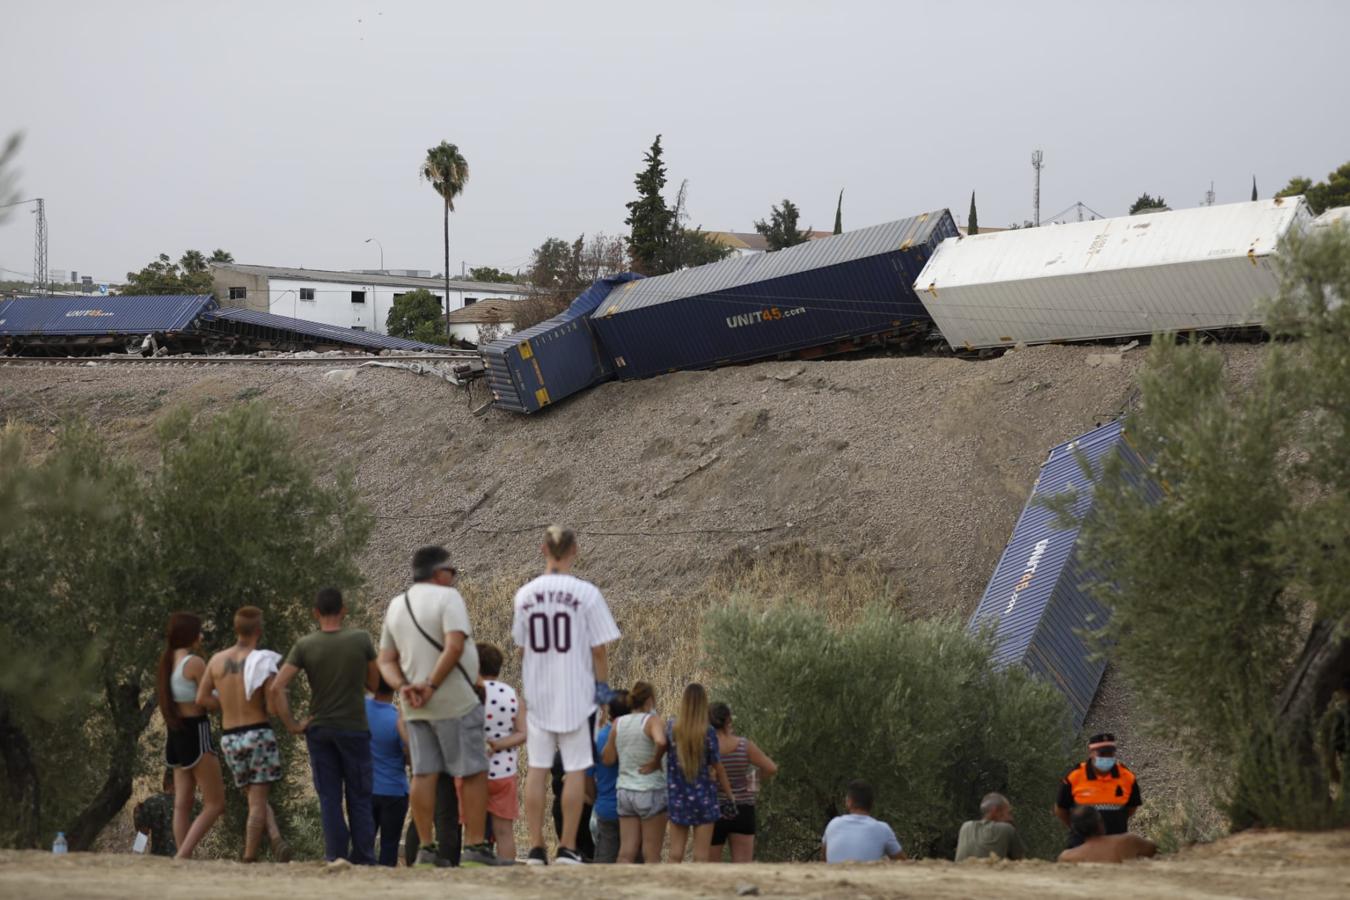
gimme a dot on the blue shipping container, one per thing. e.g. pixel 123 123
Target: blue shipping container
pixel 558 357
pixel 1036 604
pixel 98 315
pixel 235 319
pixel 852 287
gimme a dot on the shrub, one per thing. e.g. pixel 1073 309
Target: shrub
pixel 913 707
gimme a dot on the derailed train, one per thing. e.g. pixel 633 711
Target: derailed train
pixel 1190 270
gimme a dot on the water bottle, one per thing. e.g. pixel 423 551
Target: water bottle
pixel 59 845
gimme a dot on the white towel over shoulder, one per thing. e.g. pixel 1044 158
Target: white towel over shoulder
pixel 259 666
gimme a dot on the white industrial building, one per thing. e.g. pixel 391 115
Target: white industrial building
pixel 359 300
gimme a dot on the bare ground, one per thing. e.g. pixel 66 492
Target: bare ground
pixel 1254 864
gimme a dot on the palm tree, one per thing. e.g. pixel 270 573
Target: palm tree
pixel 448 172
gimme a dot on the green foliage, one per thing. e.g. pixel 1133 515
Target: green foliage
pixel 915 708
pixel 416 312
pixel 1323 195
pixel 221 256
pixel 1147 201
pixel 190 275
pixel 649 219
pixel 96 555
pixel 491 275
pixel 839 212
pixel 562 271
pixel 973 222
pixel 1210 582
pixel 781 229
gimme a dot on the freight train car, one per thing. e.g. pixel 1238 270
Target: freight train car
pixel 833 294
pixel 1036 605
pixel 1186 270
pixel 98 324
pixel 556 358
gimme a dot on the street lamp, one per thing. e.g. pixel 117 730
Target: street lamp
pixel 381 246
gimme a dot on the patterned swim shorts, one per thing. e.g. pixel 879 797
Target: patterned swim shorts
pixel 252 755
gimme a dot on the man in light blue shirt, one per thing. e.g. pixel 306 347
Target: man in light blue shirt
pixel 856 836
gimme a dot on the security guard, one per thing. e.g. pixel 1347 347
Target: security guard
pixel 1100 782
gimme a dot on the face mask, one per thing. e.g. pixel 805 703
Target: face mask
pixel 1104 763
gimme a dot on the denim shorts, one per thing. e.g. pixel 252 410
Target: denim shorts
pixel 642 804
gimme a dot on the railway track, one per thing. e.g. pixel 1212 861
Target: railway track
pixel 190 361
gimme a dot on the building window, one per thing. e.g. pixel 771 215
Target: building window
pixel 238 293
pixel 358 328
pixel 307 293
pixel 470 301
pixel 358 296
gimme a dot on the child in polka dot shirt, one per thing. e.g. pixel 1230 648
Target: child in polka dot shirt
pixel 504 724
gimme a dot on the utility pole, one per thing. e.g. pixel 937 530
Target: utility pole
pixel 40 281
pixel 1209 195
pixel 1037 163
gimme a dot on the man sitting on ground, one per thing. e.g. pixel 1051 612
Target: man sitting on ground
pixel 1099 847
pixel 992 835
pixel 856 836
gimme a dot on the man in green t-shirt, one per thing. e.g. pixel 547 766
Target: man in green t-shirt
pixel 991 835
pixel 340 665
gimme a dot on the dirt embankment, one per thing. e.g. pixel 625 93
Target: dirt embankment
pixel 915 467
pixel 1255 864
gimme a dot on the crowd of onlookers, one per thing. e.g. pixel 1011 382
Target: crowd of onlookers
pixel 424 724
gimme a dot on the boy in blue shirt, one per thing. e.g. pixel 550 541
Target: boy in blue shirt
pixel 606 786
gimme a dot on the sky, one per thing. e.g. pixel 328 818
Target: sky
pixel 291 132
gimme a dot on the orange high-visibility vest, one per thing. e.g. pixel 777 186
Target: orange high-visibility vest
pixel 1108 791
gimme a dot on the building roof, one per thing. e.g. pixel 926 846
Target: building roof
pixel 403 281
pixel 753 240
pixel 484 312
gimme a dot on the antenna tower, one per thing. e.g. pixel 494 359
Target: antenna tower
pixel 40 281
pixel 1209 195
pixel 1037 163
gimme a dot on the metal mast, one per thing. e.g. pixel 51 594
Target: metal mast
pixel 40 280
pixel 1037 163
pixel 1209 195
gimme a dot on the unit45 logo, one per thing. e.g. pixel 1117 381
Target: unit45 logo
pixel 771 314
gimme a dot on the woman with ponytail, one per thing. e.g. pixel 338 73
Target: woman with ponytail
pixel 693 775
pixel 188 750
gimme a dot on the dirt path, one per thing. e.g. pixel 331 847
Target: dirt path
pixel 1258 864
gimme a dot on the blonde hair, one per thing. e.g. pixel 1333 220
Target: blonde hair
pixel 559 541
pixel 691 730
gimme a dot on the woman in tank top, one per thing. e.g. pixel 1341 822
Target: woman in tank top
pixel 188 749
pixel 743 761
pixel 635 743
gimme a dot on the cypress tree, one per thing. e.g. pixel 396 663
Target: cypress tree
pixel 973 226
pixel 648 216
pixel 839 214
pixel 1254 197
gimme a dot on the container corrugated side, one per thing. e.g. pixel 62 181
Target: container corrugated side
pixel 98 315
pixel 810 296
pixel 1185 270
pixel 540 365
pixel 1036 604
pixel 232 319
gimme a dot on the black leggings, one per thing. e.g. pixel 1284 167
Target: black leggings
pixel 389 813
pixel 446 822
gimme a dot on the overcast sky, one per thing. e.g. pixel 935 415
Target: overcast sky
pixel 290 132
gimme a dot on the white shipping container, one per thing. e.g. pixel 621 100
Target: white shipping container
pixel 1333 216
pixel 1186 270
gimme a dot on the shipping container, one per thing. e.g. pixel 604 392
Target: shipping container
pixel 825 295
pixel 254 330
pixel 558 357
pixel 115 315
pixel 1184 270
pixel 1332 216
pixel 1036 606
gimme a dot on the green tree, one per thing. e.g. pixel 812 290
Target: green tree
pixel 491 275
pixel 649 219
pixel 1323 195
pixel 1212 580
pixel 839 214
pixel 97 558
pixel 448 172
pixel 221 256
pixel 924 716
pixel 416 312
pixel 973 224
pixel 551 264
pixel 781 229
pixel 1255 196
pixel 190 275
pixel 1147 201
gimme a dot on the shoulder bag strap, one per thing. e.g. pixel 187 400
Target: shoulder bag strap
pixel 407 602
